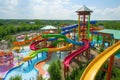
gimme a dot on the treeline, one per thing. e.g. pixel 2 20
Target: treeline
pixel 13 26
pixel 110 24
pixel 10 27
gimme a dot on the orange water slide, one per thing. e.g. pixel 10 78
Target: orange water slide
pixel 27 41
pixel 40 64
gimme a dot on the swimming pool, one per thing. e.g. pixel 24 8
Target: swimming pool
pixel 26 71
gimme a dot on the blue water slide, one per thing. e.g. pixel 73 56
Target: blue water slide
pixel 93 22
pixel 69 27
pixel 74 42
pixel 12 70
pixel 66 32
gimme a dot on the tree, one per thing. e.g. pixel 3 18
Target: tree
pixel 54 71
pixel 40 77
pixel 17 77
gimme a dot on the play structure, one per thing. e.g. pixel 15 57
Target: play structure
pixel 79 37
pixel 6 61
pixel 6 58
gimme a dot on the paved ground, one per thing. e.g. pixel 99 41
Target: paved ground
pixel 117 62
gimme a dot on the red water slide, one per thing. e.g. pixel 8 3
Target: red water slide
pixel 76 53
pixel 33 45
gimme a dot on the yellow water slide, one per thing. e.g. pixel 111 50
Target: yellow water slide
pixel 61 48
pixel 93 68
pixel 49 50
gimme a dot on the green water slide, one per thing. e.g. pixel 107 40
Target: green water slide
pixel 32 55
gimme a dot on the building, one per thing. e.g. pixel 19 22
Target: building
pixel 109 34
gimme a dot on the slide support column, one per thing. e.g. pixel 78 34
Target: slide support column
pixel 78 27
pixel 109 71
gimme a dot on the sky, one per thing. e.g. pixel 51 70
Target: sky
pixel 58 9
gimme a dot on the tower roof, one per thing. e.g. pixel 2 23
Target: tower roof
pixel 84 9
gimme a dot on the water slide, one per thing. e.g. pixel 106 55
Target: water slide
pixel 62 37
pixel 27 41
pixel 63 33
pixel 76 25
pixel 76 53
pixel 33 45
pixel 69 27
pixel 93 68
pixel 33 54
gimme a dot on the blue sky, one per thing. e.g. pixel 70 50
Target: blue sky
pixel 58 9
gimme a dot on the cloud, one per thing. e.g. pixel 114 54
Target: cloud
pixel 7 8
pixel 51 9
pixel 54 9
pixel 107 14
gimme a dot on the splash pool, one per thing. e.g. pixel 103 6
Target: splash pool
pixel 25 70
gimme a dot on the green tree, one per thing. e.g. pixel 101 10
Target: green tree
pixel 17 77
pixel 39 77
pixel 54 71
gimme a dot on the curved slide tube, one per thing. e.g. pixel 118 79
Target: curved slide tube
pixel 51 49
pixel 27 41
pixel 77 52
pixel 63 37
pixel 93 68
pixel 35 53
pixel 33 45
pixel 60 49
pixel 63 33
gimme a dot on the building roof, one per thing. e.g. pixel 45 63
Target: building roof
pixel 84 9
pixel 48 27
pixel 116 33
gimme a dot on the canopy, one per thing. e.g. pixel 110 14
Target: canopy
pixel 48 27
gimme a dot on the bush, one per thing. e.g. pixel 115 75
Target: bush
pixel 17 77
pixel 54 71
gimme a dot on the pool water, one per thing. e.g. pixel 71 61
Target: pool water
pixel 25 70
pixel 117 55
pixel 25 52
